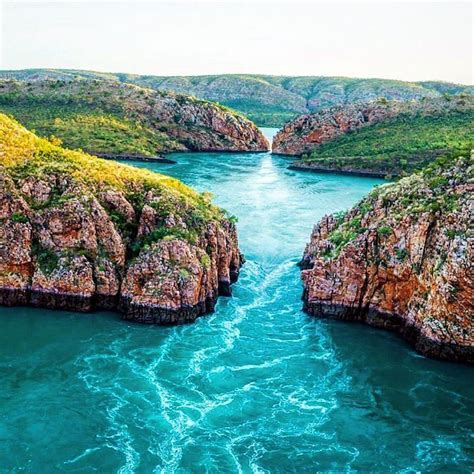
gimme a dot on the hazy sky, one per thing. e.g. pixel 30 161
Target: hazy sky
pixel 411 41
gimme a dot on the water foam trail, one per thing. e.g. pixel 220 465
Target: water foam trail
pixel 256 387
pixel 260 301
pixel 116 435
pixel 180 424
pixel 228 332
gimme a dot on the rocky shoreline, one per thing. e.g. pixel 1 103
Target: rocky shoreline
pixel 118 119
pixel 145 289
pixel 80 233
pixel 429 347
pixel 302 166
pixel 145 159
pixel 402 260
pixel 136 312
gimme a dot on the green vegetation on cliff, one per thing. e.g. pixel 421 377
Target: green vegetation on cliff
pixel 109 118
pixel 401 259
pixel 83 115
pixel 81 233
pixel 105 134
pixel 25 155
pixel 267 100
pixel 397 146
pixel 434 190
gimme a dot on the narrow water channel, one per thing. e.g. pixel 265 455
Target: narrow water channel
pixel 258 386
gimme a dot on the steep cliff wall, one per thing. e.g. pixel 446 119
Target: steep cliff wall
pixel 81 233
pixel 307 133
pixel 110 118
pixel 402 259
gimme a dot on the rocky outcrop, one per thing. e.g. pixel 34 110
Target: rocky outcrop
pixel 402 260
pixel 307 132
pixel 124 239
pixel 73 256
pixel 173 281
pixel 97 115
pixel 202 126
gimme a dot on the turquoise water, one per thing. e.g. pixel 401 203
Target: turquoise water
pixel 257 386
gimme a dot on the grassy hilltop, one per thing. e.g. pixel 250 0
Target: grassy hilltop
pixel 123 120
pixel 24 155
pixel 400 145
pixel 267 100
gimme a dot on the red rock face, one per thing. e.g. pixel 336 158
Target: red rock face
pixel 408 272
pixel 60 248
pixel 209 128
pixel 308 131
pixel 305 133
pixel 173 281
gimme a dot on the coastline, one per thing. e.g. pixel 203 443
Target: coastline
pixel 394 323
pixel 149 159
pixel 296 166
pixel 119 304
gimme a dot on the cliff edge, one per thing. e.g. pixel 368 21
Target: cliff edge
pixel 80 233
pixel 402 259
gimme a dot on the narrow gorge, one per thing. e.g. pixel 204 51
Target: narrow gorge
pixel 83 239
pixel 236 237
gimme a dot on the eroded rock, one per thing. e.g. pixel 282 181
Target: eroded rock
pixel 402 260
pixel 73 256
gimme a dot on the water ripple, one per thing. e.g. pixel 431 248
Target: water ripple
pixel 258 386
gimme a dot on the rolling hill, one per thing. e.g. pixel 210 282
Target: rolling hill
pixel 380 138
pixel 267 100
pixel 110 118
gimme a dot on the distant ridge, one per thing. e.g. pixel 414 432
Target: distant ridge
pixel 121 120
pixel 265 99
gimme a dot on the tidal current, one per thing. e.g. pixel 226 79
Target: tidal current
pixel 257 386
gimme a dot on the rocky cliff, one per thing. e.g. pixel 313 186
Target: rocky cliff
pixel 123 120
pixel 267 100
pixel 81 233
pixel 402 259
pixel 308 132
